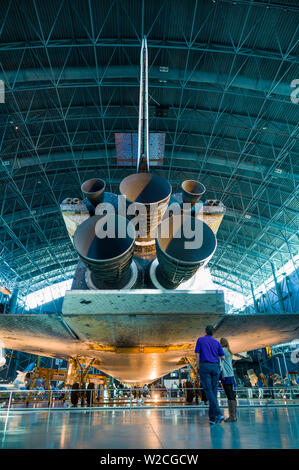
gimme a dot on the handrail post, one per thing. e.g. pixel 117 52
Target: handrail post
pixel 10 399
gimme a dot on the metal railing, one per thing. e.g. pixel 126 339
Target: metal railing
pixel 132 398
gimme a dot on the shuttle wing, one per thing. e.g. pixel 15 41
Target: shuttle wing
pixel 248 332
pixel 140 336
pixel 44 335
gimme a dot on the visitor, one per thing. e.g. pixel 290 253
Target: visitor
pixel 75 394
pixel 145 391
pixel 270 385
pixel 277 380
pixel 208 350
pixel 189 391
pixel 248 384
pixel 90 394
pixel 163 391
pixel 228 381
pixel 286 381
pixel 174 390
pixel 278 385
pixel 261 382
pixel 195 382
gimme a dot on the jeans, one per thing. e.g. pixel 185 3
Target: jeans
pixel 229 391
pixel 209 377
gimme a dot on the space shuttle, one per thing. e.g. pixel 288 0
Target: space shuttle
pixel 136 306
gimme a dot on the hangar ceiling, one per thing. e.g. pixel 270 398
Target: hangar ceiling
pixel 220 88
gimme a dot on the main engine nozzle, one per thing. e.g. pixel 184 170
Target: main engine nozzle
pixel 108 259
pixel 94 190
pixel 178 261
pixel 149 190
pixel 192 191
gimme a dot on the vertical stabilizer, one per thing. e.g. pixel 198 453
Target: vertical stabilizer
pixel 143 133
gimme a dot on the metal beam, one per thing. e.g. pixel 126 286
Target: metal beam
pixel 171 45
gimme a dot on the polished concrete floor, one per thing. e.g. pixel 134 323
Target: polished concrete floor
pixel 257 428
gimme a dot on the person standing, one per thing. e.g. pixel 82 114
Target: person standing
pixel 189 391
pixel 228 381
pixel 174 392
pixel 75 394
pixel 208 351
pixel 180 389
pixel 145 391
pixel 270 385
pixel 90 394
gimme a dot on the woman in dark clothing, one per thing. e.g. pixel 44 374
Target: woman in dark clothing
pixel 89 394
pixel 189 391
pixel 75 394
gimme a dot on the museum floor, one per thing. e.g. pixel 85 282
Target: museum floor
pixel 257 428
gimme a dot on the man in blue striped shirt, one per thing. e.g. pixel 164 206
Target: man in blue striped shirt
pixel 208 350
